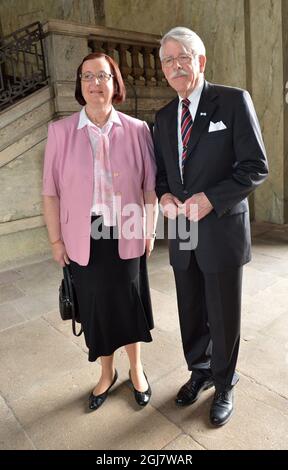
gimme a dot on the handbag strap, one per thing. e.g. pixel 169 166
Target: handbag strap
pixel 69 284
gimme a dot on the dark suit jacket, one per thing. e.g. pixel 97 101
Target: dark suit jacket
pixel 227 165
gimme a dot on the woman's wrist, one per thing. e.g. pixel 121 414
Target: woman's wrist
pixel 56 241
pixel 151 235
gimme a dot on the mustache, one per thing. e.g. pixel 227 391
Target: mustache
pixel 179 73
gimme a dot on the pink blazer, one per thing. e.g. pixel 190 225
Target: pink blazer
pixel 68 174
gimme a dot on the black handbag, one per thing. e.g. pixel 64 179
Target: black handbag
pixel 68 304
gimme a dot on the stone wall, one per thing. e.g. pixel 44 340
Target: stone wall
pixel 246 43
pixel 220 23
pixel 285 100
pixel 15 14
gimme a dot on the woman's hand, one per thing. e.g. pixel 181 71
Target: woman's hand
pixel 51 206
pixel 59 253
pixel 149 245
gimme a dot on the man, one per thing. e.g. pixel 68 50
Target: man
pixel 209 153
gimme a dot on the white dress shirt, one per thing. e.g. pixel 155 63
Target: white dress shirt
pixel 194 99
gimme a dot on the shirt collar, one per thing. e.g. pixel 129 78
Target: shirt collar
pixel 85 121
pixel 196 91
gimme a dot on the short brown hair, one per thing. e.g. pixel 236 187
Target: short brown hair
pixel 120 91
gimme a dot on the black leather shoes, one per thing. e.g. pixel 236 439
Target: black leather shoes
pixel 191 391
pixel 142 398
pixel 95 401
pixel 222 407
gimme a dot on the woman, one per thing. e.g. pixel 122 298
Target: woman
pixel 99 169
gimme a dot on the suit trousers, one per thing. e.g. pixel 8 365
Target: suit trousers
pixel 209 306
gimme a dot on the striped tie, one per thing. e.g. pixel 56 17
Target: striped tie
pixel 186 127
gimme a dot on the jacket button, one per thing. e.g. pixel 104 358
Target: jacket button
pixel 185 191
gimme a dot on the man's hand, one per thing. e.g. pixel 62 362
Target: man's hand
pixel 197 207
pixel 170 205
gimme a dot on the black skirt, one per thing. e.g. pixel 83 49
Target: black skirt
pixel 114 298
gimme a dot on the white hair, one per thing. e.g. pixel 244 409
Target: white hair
pixel 185 36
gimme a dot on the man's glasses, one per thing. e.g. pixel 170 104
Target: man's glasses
pixel 101 77
pixel 181 59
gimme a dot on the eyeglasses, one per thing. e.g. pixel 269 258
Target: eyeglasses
pixel 101 77
pixel 181 59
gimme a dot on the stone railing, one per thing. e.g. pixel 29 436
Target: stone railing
pixel 137 55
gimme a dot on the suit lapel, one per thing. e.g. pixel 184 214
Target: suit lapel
pixel 172 123
pixel 173 128
pixel 206 108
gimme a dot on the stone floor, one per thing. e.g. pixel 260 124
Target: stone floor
pixel 45 377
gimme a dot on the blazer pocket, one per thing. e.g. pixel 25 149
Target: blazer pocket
pixel 63 215
pixel 220 133
pixel 239 208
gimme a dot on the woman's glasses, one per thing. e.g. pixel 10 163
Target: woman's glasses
pixel 100 77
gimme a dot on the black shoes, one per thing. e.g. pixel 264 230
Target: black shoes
pixel 142 398
pixel 191 391
pixel 222 407
pixel 95 401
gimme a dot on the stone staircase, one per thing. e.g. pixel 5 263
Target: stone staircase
pixel 23 133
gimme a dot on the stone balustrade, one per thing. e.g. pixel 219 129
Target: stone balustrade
pixel 136 53
pixel 137 56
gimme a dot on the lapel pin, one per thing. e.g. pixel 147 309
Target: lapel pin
pixel 203 114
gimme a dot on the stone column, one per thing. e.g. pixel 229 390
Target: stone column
pixel 66 46
pixel 285 70
pixel 268 26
